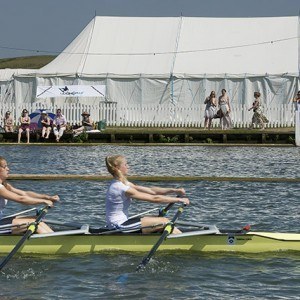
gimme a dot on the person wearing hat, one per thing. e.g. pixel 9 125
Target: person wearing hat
pixel 87 124
pixel 8 122
pixel 46 125
pixel 24 125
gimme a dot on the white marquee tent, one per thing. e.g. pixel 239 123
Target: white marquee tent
pixel 176 60
pixel 7 82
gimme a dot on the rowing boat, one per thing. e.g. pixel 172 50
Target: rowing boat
pixel 206 238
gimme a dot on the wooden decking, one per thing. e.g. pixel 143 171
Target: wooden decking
pixel 167 136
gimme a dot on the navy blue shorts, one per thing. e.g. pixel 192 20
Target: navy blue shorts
pixel 131 225
pixel 6 221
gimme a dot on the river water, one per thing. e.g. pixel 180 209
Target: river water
pixel 271 206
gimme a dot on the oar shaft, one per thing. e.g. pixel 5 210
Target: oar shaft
pixel 15 249
pixel 153 249
pixel 191 224
pixel 165 210
pixel 31 229
pixel 66 224
pixel 144 213
pixel 20 213
pixel 168 230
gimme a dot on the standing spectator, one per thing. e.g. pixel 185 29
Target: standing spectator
pixel 8 122
pixel 258 116
pixel 46 125
pixel 225 108
pixel 210 109
pixel 24 125
pixel 59 124
pixel 297 101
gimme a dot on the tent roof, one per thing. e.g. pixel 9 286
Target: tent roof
pixel 7 74
pixel 182 46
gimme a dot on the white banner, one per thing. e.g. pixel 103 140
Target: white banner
pixel 70 91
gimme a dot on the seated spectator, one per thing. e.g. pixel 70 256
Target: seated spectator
pixel 8 122
pixel 46 125
pixel 59 124
pixel 297 101
pixel 24 125
pixel 87 124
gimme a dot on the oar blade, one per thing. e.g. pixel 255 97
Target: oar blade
pixel 147 258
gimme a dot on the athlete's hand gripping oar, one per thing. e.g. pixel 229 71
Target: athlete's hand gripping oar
pixel 163 211
pixel 167 230
pixel 30 230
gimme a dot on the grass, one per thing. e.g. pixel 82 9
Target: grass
pixel 27 62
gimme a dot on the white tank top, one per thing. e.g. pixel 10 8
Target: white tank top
pixel 116 204
pixel 3 203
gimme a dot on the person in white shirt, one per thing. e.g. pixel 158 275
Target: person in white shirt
pixel 59 124
pixel 121 192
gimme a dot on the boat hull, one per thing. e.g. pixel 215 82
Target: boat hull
pixel 93 243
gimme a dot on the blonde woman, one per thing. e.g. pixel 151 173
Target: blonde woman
pixel 121 192
pixel 9 193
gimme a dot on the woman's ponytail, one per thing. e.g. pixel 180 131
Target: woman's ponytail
pixel 112 162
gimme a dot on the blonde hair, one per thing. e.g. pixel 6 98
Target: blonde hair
pixel 112 164
pixel 1 160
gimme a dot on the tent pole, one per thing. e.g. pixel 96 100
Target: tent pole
pixel 174 59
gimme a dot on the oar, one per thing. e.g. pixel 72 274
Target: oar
pixel 30 230
pixel 164 211
pixel 167 230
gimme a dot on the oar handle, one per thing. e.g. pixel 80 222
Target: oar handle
pixel 164 211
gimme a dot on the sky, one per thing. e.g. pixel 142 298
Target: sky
pixel 46 27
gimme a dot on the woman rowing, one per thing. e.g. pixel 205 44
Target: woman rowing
pixel 8 192
pixel 121 192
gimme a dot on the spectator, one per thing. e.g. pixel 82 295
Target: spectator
pixel 258 116
pixel 297 101
pixel 59 124
pixel 225 108
pixel 210 109
pixel 46 125
pixel 8 122
pixel 87 124
pixel 24 125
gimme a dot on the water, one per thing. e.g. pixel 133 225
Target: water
pixel 182 160
pixel 264 205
